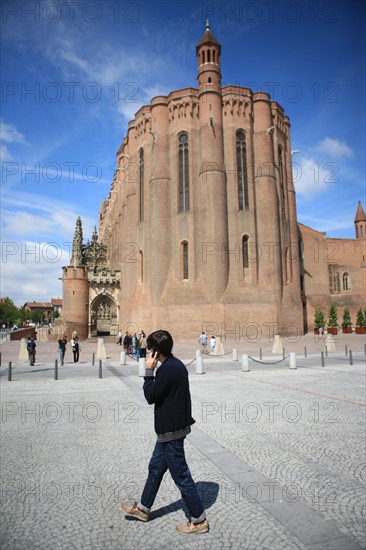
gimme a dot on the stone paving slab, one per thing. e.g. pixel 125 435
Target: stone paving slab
pixel 278 456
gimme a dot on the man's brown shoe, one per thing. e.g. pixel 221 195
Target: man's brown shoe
pixel 190 527
pixel 134 512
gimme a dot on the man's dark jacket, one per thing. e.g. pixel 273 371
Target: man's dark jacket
pixel 169 391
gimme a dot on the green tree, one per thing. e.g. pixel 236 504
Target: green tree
pixel 36 316
pixel 333 316
pixel 360 319
pixel 319 321
pixel 346 318
pixel 9 312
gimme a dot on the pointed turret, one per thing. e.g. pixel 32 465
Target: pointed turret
pixel 208 38
pixel 77 245
pixel 360 222
pixel 208 53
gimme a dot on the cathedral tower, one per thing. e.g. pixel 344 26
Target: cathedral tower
pixel 213 230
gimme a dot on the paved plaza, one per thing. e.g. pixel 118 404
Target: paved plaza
pixel 278 454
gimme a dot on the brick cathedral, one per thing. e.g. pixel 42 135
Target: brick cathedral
pixel 200 230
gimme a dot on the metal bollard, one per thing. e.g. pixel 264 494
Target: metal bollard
pixel 364 348
pixel 235 354
pixel 199 362
pixel 0 358
pixel 9 372
pixel 93 359
pixel 55 376
pixel 326 351
pixel 142 366
pixel 293 360
pixel 322 358
pixel 260 353
pixel 346 350
pixel 122 358
pixel 245 363
pixel 350 357
pixel 100 369
pixel 305 352
pixel 283 353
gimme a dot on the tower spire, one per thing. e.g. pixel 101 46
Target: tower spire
pixel 77 245
pixel 360 221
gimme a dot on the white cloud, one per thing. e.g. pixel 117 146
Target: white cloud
pixel 312 178
pixel 30 215
pixel 5 154
pixel 10 134
pixel 37 266
pixel 334 148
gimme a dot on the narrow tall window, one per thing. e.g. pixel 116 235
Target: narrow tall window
pixel 185 259
pixel 282 182
pixel 141 266
pixel 345 281
pixel 141 185
pixel 242 170
pixel 245 250
pixel 183 173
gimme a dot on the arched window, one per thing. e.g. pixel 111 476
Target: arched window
pixel 242 170
pixel 141 185
pixel 185 260
pixel 245 251
pixel 209 56
pixel 183 173
pixel 346 281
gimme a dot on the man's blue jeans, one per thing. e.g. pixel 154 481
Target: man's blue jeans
pixel 170 455
pixel 62 356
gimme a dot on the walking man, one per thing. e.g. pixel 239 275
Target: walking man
pixel 203 341
pixel 62 347
pixel 31 347
pixel 169 391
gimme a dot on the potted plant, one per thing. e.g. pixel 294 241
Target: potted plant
pixel 360 322
pixel 346 323
pixel 332 320
pixel 319 321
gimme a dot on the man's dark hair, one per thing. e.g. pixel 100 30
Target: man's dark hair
pixel 160 341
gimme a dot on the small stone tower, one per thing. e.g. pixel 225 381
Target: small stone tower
pixel 360 222
pixel 76 289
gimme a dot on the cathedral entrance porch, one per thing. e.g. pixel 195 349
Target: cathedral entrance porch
pixel 103 318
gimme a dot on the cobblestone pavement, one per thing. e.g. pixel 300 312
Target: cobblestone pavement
pixel 278 454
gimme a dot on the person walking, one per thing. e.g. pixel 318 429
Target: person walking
pixel 62 348
pixel 75 348
pixel 142 344
pixel 126 342
pixel 169 391
pixel 31 347
pixel 203 341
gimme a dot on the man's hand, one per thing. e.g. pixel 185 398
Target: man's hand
pixel 151 362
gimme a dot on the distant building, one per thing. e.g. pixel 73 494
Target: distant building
pixel 200 229
pixel 45 308
pixel 57 305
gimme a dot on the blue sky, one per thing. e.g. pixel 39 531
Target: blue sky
pixel 74 74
